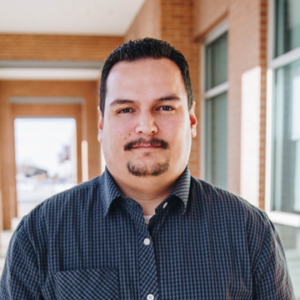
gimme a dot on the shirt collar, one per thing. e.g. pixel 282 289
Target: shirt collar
pixel 111 191
pixel 181 189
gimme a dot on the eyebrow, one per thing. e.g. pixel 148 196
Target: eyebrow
pixel 169 98
pixel 161 99
pixel 121 101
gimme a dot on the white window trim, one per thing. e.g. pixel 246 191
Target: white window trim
pixel 217 90
pixel 216 32
pixel 279 217
pixel 205 95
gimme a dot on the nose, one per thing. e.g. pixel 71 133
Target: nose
pixel 146 124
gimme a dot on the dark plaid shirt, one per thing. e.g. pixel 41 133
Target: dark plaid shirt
pixel 91 242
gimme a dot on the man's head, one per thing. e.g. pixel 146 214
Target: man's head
pixel 145 48
pixel 148 123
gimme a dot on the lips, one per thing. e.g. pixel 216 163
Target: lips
pixel 142 143
pixel 147 146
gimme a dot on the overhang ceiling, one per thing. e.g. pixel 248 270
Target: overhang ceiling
pixel 87 17
pixel 77 17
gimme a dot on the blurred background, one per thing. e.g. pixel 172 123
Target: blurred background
pixel 244 58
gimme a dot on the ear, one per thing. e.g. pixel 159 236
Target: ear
pixel 100 125
pixel 193 120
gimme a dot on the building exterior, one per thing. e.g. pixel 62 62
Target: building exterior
pixel 244 58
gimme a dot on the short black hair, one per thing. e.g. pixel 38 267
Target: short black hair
pixel 146 48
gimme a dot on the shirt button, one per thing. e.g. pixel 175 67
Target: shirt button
pixel 147 242
pixel 165 205
pixel 150 297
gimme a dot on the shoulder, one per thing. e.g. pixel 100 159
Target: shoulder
pixel 78 195
pixel 246 228
pixel 225 201
pixel 225 210
pixel 60 208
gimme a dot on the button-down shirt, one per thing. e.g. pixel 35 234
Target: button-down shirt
pixel 91 242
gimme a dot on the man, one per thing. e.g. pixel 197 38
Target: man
pixel 146 229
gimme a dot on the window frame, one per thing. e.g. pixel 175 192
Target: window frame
pixel 284 218
pixel 213 92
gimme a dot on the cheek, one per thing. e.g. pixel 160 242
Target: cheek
pixel 178 134
pixel 174 129
pixel 121 133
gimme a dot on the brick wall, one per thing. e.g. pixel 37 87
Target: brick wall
pixel 263 107
pixel 209 13
pixel 183 23
pixel 57 47
pixel 88 114
pixel 247 42
pixel 177 28
pixel 49 47
pixel 244 56
pixel 147 21
pixel 172 21
pixel 8 182
pixel 1 207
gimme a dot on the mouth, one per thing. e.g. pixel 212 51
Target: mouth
pixel 141 144
pixel 146 147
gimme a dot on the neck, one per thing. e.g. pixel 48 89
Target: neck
pixel 149 192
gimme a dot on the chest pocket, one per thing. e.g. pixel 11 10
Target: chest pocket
pixel 88 284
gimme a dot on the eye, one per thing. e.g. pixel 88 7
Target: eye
pixel 125 111
pixel 166 108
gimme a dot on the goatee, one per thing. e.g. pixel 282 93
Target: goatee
pixel 156 170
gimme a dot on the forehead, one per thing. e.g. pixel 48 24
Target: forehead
pixel 148 77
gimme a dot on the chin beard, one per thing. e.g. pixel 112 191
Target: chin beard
pixel 144 171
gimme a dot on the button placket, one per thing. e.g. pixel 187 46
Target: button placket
pixel 147 262
pixel 147 267
pixel 147 241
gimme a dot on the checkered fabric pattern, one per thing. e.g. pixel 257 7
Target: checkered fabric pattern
pixel 91 242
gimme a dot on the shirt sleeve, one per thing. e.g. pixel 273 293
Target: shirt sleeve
pixel 271 276
pixel 20 275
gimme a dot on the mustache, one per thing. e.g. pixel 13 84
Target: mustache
pixel 153 142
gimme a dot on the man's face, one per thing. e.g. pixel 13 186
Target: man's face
pixel 147 126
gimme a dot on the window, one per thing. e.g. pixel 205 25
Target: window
pixel 286 140
pixel 284 104
pixel 215 109
pixel 287 26
pixel 46 159
pixel 283 134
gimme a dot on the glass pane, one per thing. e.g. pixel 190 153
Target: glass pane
pixel 290 237
pixel 216 140
pixel 216 62
pixel 46 159
pixel 286 140
pixel 287 26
